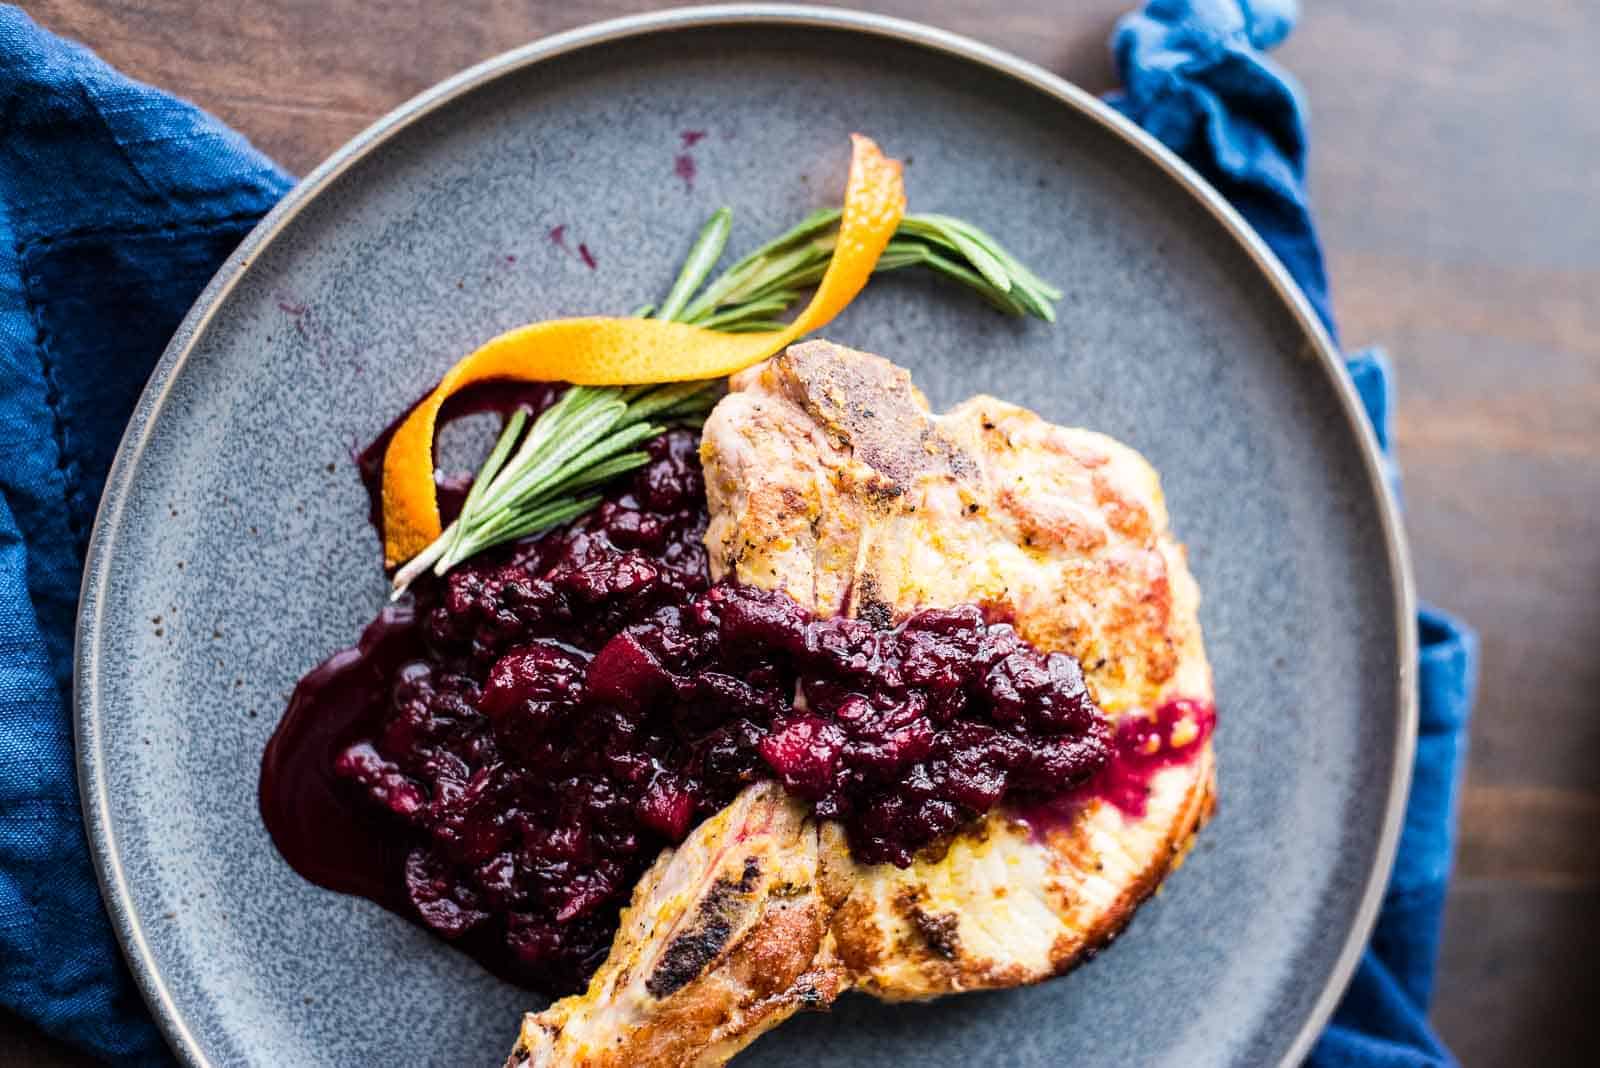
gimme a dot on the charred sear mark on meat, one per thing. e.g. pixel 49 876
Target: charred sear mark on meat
pixel 941 930
pixel 869 602
pixel 810 999
pixel 715 920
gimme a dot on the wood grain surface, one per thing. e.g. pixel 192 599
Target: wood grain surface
pixel 1456 151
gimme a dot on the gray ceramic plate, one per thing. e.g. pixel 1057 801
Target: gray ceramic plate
pixel 234 515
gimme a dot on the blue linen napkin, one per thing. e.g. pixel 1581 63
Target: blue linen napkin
pixel 117 202
pixel 1194 75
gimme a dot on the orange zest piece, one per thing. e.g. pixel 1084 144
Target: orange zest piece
pixel 603 351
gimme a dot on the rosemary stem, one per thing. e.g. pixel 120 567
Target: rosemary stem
pixel 417 565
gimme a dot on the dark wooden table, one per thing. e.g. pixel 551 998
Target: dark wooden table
pixel 1456 170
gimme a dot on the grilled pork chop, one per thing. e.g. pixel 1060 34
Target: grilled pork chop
pixel 828 477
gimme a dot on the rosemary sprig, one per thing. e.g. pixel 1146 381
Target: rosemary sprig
pixel 772 279
pixel 542 475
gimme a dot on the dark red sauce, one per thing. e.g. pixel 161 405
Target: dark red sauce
pixel 1144 745
pixel 683 166
pixel 506 750
pixel 558 238
pixel 306 807
pixel 385 779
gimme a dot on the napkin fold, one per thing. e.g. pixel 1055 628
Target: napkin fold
pixel 118 202
pixel 1195 75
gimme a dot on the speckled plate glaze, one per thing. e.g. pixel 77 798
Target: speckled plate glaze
pixel 234 515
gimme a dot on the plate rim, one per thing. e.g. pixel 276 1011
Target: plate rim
pixel 93 788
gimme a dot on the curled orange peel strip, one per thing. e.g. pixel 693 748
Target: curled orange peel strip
pixel 602 351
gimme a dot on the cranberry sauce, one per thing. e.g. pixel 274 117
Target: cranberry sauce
pixel 507 749
pixel 1174 734
pixel 306 807
pixel 386 779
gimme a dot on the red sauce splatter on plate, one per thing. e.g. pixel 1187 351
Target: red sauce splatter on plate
pixel 683 167
pixel 558 238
